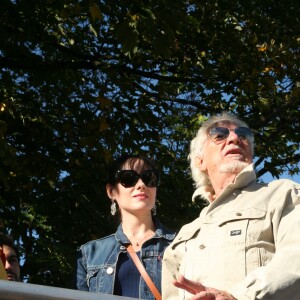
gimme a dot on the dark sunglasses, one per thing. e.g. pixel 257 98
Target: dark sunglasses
pixel 220 134
pixel 129 178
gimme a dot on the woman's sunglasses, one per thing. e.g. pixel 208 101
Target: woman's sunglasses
pixel 129 178
pixel 219 134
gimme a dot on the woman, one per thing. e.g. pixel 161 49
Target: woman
pixel 104 265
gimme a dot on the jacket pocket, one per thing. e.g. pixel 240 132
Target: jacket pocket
pixel 242 227
pixel 100 279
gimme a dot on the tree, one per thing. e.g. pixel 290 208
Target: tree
pixel 84 81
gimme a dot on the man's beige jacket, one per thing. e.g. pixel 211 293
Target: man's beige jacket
pixel 246 242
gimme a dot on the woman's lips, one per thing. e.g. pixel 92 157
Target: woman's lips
pixel 141 196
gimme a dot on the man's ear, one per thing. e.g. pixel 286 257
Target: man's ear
pixel 200 163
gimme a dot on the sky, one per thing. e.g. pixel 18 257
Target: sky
pixel 268 177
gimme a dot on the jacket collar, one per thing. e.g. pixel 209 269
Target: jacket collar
pixel 246 176
pixel 243 179
pixel 160 232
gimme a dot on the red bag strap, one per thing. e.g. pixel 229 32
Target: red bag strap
pixel 143 272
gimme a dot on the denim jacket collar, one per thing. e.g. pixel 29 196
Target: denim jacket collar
pixel 160 232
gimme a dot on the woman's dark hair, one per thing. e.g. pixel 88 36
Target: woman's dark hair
pixel 130 160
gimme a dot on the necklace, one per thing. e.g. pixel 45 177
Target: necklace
pixel 139 242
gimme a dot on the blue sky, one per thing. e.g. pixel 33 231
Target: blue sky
pixel 268 177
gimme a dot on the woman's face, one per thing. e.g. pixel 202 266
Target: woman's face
pixel 138 199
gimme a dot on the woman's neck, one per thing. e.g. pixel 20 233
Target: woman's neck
pixel 138 230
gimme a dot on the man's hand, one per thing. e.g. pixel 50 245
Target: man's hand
pixel 200 291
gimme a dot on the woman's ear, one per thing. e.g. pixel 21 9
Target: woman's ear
pixel 110 191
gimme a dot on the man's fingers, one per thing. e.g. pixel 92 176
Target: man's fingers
pixel 182 286
pixel 188 285
pixel 201 292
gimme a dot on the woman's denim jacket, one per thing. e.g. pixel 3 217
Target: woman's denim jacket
pixel 97 261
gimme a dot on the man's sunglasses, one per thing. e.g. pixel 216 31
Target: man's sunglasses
pixel 129 178
pixel 219 134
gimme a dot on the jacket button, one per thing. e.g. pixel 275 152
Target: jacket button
pixel 239 214
pixel 202 246
pixel 109 270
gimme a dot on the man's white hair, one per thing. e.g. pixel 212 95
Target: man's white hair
pixel 196 146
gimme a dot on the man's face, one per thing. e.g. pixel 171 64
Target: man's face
pixel 229 156
pixel 12 266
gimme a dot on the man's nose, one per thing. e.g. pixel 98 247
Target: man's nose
pixel 233 138
pixel 7 265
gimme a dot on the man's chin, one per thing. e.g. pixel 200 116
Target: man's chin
pixel 12 278
pixel 233 167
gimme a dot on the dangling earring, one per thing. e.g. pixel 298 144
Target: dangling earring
pixel 113 208
pixel 154 210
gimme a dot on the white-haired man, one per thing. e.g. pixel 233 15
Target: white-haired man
pixel 246 242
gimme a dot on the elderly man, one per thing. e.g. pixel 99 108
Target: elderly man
pixel 10 257
pixel 246 242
